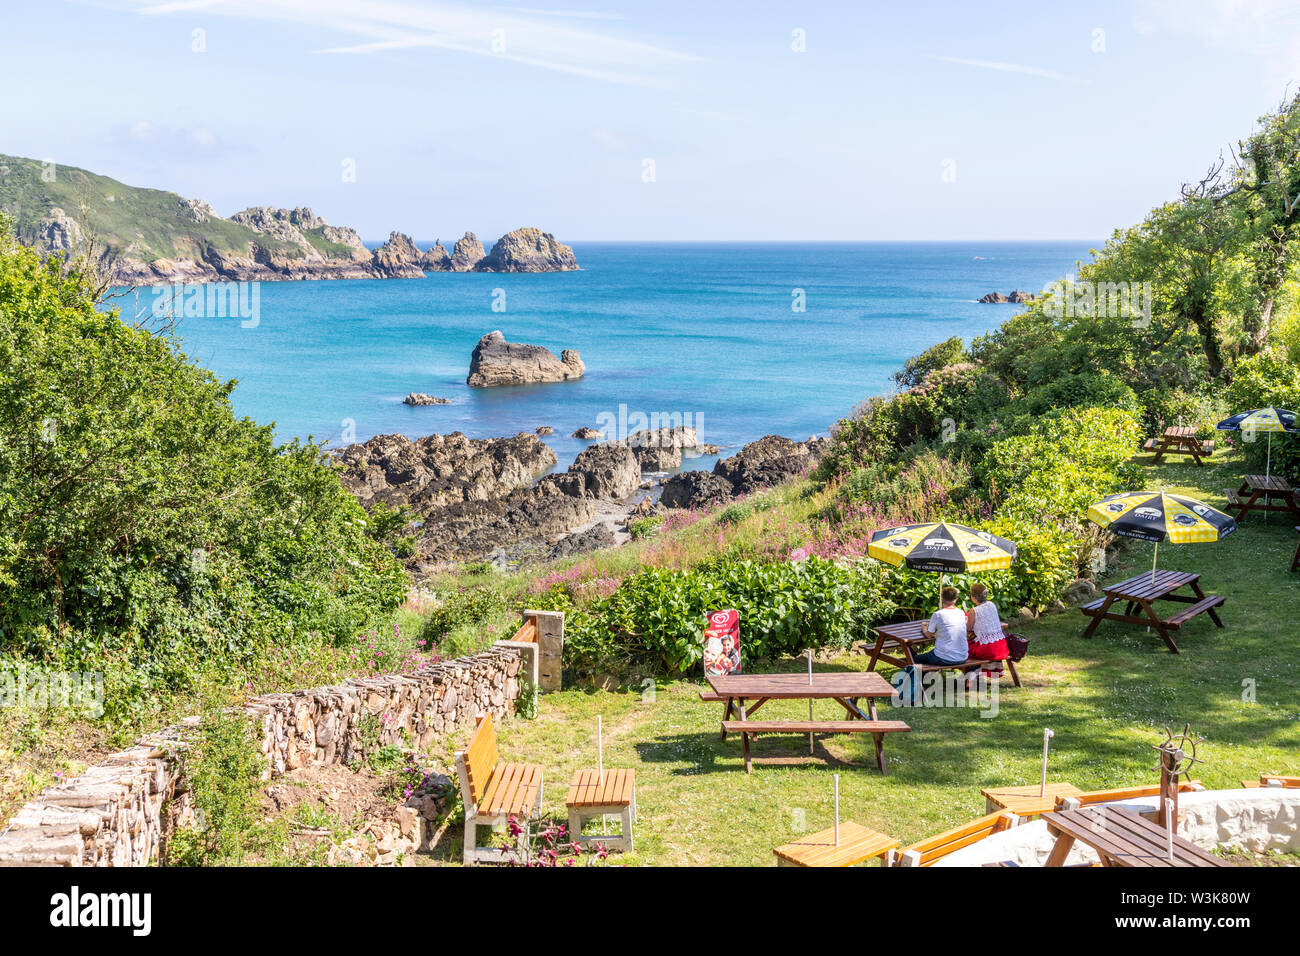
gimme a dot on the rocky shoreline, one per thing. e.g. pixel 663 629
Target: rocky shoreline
pixel 497 499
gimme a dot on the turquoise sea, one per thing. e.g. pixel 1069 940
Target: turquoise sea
pixel 705 330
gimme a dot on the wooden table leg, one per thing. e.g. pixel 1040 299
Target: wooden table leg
pixel 1060 850
pixel 749 763
pixel 1099 616
pixel 1213 612
pixel 727 711
pixel 1247 506
pixel 879 738
pixel 875 651
pixel 1159 626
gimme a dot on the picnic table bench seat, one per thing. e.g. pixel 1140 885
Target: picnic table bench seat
pixel 493 791
pixel 927 851
pixel 857 843
pixel 1072 801
pixel 1273 780
pixel 590 796
pixel 970 664
pixel 748 728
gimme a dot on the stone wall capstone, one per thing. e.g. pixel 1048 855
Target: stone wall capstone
pixel 119 812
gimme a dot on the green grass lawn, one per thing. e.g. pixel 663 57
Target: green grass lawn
pixel 1107 698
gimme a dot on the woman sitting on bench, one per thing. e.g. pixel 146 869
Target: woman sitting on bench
pixel 984 631
pixel 948 630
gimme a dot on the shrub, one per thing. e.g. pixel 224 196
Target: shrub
pixel 657 616
pixel 937 356
pixel 145 531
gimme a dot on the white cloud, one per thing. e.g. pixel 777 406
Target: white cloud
pixel 1003 67
pixel 1266 30
pixel 527 36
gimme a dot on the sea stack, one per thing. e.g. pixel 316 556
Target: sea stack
pixel 467 253
pixel 498 362
pixel 528 250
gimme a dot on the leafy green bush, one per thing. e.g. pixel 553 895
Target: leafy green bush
pixel 1068 460
pixel 656 618
pixel 645 527
pixel 1268 378
pixel 937 356
pixel 468 607
pixel 145 531
pixel 223 769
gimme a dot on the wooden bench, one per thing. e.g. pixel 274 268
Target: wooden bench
pixel 970 664
pixel 857 843
pixel 937 847
pixel 1090 797
pixel 746 728
pixel 1233 499
pixel 590 797
pixel 1207 603
pixel 1150 444
pixel 1273 780
pixel 493 791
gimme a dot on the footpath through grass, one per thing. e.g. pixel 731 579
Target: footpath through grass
pixel 1107 698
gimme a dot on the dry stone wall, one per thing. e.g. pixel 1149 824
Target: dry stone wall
pixel 119 812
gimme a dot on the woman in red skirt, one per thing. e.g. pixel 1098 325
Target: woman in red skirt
pixel 984 632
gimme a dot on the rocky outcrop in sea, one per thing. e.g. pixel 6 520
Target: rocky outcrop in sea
pixel 496 362
pixel 467 253
pixel 475 497
pixel 772 460
pixel 528 250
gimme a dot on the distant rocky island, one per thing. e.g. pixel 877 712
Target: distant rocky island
pixel 152 237
pixel 497 362
pixel 1017 297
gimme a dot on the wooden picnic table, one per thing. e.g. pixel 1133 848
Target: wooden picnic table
pixel 846 688
pixel 1263 493
pixel 1121 838
pixel 1142 591
pixel 857 843
pixel 1025 801
pixel 1179 440
pixel 907 638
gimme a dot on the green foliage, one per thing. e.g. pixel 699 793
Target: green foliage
pixel 145 531
pixel 657 617
pixel 466 607
pixel 223 769
pixel 1067 461
pixel 937 356
pixel 646 527
pixel 1268 378
pixel 389 525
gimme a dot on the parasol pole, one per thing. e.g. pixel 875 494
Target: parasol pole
pixel 837 809
pixel 810 703
pixel 1042 782
pixel 1155 556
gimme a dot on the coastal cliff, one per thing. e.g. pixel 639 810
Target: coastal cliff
pixel 150 237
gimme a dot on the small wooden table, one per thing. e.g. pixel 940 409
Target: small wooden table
pixel 846 688
pixel 1261 493
pixel 1025 801
pixel 1179 440
pixel 591 797
pixel 857 843
pixel 908 640
pixel 1141 591
pixel 1121 838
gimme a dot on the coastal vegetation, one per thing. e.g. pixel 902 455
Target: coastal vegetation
pixel 149 534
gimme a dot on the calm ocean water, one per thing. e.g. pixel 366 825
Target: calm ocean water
pixel 701 329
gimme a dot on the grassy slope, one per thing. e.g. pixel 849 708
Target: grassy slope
pixel 155 222
pixel 1107 699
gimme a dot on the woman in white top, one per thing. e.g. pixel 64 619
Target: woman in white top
pixel 984 628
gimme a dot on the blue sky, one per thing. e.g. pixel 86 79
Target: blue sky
pixel 920 120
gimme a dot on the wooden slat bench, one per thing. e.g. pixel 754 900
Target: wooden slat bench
pixel 1090 797
pixel 857 843
pixel 589 797
pixel 1273 780
pixel 970 664
pixel 926 852
pixel 493 791
pixel 746 728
